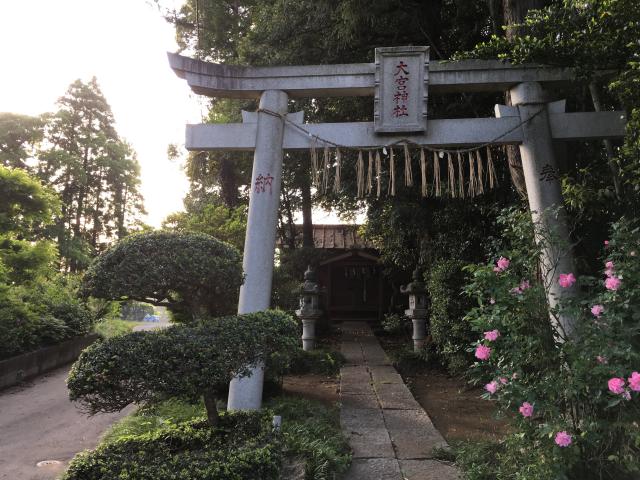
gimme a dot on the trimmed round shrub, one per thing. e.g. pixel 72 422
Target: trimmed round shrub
pixel 193 274
pixel 187 361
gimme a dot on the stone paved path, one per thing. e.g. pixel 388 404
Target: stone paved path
pixel 391 435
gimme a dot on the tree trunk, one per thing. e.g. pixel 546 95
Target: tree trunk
pixel 307 220
pixel 290 231
pixel 212 409
pixel 97 227
pixel 615 174
pixel 228 182
pixel 514 12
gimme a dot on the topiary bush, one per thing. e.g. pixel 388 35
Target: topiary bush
pixel 450 332
pixel 242 447
pixel 187 361
pixel 193 274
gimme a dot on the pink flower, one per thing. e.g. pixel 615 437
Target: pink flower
pixel 526 409
pixel 612 283
pixel 609 272
pixel 492 300
pixel 616 385
pixel 602 360
pixel 563 439
pixel 520 288
pixel 606 243
pixel 597 310
pixel 566 280
pixel 503 380
pixel 503 264
pixel 491 387
pixel 483 352
pixel 626 395
pixel 492 335
pixel 634 381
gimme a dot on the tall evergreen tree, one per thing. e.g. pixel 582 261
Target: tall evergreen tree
pixel 93 170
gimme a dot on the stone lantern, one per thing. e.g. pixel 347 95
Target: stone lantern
pixel 309 311
pixel 417 310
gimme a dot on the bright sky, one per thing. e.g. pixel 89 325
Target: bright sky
pixel 47 44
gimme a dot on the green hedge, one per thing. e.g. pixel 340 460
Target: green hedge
pixel 451 334
pixel 45 313
pixel 241 448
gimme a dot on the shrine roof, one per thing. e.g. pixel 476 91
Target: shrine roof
pixel 341 237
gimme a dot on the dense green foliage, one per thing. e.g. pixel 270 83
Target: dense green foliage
pixel 319 360
pixel 192 274
pixel 564 380
pixel 170 440
pixel 450 332
pixel 242 447
pixel 226 224
pixel 181 361
pixel 37 306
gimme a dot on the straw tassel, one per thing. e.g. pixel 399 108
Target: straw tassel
pixel 325 170
pixel 408 172
pixel 315 174
pixel 452 176
pixel 436 174
pixel 360 174
pixel 392 173
pixel 336 183
pixel 472 175
pixel 423 172
pixel 378 173
pixel 460 177
pixel 480 173
pixel 370 173
pixel 491 173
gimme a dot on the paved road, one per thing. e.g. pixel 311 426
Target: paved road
pixel 38 422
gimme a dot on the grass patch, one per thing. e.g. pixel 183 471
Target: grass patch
pixel 113 327
pixel 172 436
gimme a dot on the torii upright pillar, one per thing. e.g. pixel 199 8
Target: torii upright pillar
pixel 544 192
pixel 259 245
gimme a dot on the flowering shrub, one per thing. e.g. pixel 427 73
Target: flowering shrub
pixel 574 399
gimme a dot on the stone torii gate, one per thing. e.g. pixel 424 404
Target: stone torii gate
pixel 533 123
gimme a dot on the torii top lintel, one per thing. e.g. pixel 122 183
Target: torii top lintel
pixel 355 79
